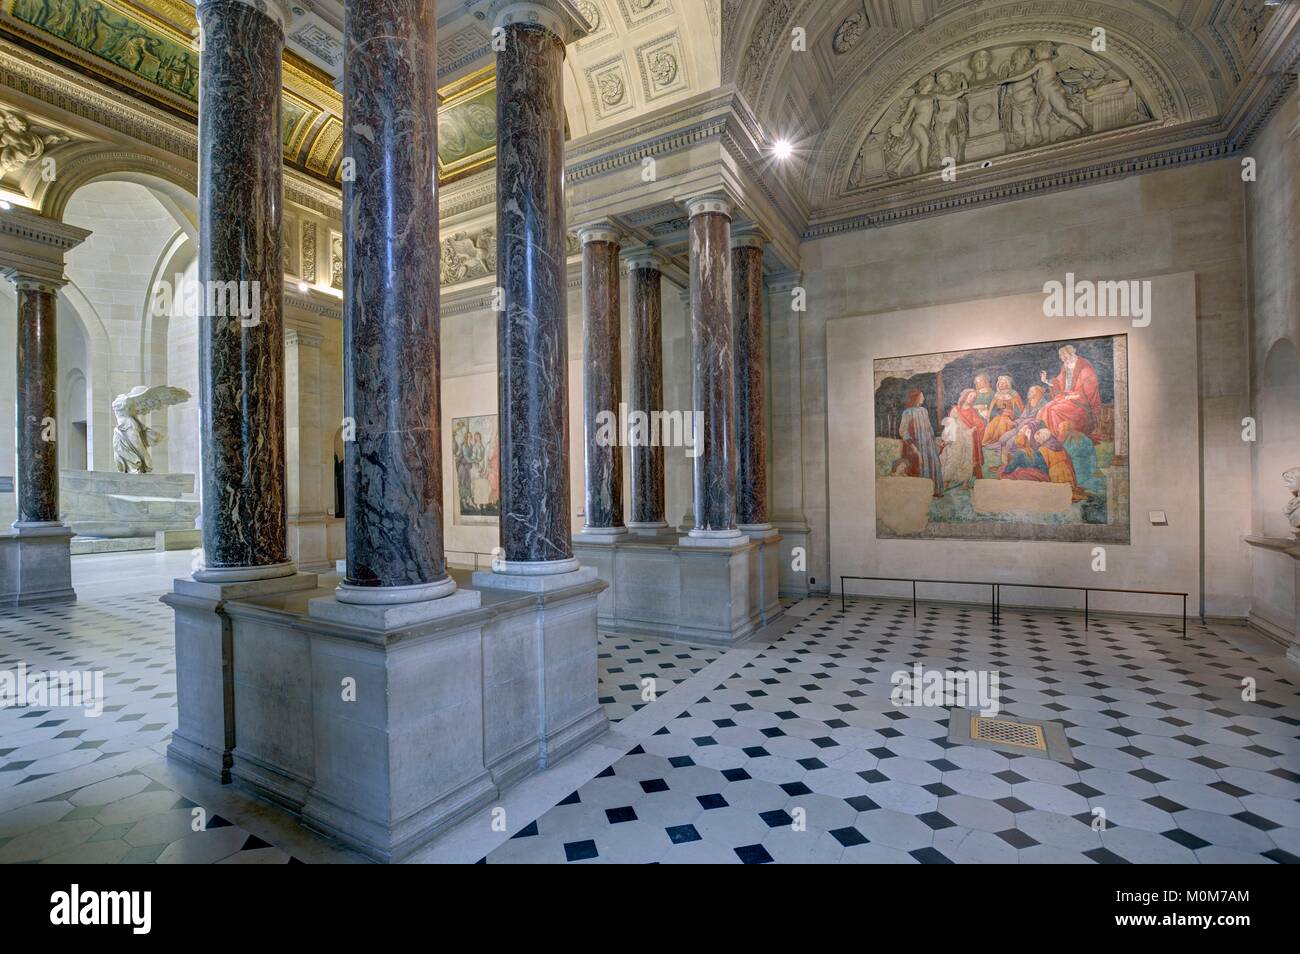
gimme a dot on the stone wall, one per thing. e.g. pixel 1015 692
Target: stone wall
pixel 1185 219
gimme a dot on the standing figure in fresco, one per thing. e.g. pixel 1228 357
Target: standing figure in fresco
pixel 956 451
pixel 1005 406
pixel 920 451
pixel 1075 395
pixel 1025 461
pixel 969 415
pixel 983 395
pixel 460 454
pixel 1060 469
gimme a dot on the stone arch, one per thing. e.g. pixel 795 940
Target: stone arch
pixel 176 188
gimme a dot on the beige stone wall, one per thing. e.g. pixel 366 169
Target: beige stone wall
pixel 1185 219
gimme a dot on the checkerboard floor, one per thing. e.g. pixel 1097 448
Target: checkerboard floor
pixel 800 756
pixel 795 754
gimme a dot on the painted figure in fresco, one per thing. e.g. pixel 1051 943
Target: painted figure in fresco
pixel 920 451
pixel 956 451
pixel 459 438
pixel 1060 469
pixel 1075 395
pixel 1004 407
pixel 1036 400
pixel 983 395
pixel 969 415
pixel 1025 461
pixel 1083 455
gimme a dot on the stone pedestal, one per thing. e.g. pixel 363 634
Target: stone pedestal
pixel 685 590
pixel 383 736
pixel 205 718
pixel 1275 611
pixel 36 566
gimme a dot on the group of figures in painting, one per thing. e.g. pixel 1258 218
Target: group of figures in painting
pixel 476 454
pixel 1013 421
pixel 98 29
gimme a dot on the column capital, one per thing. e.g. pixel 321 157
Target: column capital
pixel 22 280
pixel 601 230
pixel 784 281
pixel 645 258
pixel 563 18
pixel 717 202
pixel 278 11
pixel 749 236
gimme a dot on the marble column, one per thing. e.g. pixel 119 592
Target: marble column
pixel 37 412
pixel 647 388
pixel 749 319
pixel 602 389
pixel 393 468
pixel 532 332
pixel 241 330
pixel 713 383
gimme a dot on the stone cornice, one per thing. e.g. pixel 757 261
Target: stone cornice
pixel 33 227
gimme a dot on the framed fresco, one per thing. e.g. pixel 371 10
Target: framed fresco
pixel 1020 442
pixel 476 464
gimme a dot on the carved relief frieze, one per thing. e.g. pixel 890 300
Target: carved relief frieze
pixel 309 252
pixel 662 66
pixel 995 101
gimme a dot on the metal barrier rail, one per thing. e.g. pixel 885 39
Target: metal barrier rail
pixel 995 592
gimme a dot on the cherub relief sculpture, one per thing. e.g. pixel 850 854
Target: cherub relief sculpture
pixel 1037 97
pixel 132 438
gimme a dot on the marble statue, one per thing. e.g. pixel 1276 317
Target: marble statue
pixel 132 438
pixel 1291 477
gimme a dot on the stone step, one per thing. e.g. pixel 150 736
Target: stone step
pixel 132 505
pixel 112 482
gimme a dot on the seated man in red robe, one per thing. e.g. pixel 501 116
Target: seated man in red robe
pixel 1075 396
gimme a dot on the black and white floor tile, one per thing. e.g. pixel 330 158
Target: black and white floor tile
pixel 789 750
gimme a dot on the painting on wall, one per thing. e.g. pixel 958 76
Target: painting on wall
pixel 1022 442
pixel 476 459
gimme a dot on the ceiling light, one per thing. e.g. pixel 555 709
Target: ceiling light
pixel 782 149
pixel 302 287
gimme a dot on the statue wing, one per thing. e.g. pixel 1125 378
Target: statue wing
pixel 155 399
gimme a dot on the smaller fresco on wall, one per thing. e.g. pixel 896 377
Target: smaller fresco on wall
pixel 476 459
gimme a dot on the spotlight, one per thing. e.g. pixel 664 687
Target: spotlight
pixel 302 287
pixel 6 204
pixel 782 149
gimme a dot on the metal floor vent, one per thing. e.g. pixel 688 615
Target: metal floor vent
pixel 1024 735
pixel 1010 734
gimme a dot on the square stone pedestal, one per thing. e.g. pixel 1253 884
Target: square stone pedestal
pixel 693 592
pixel 36 566
pixel 383 726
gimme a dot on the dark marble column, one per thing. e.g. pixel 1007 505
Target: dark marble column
pixel 647 388
pixel 241 328
pixel 602 389
pixel 749 319
pixel 393 470
pixel 532 332
pixel 37 410
pixel 713 384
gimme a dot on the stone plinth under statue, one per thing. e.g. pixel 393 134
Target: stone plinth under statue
pixel 383 738
pixel 694 593
pixel 106 503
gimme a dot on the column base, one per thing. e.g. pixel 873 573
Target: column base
pixel 647 528
pixel 512 568
pixel 36 565
pixel 598 534
pixel 713 538
pixel 758 531
pixel 389 616
pixel 244 574
pixel 531 582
